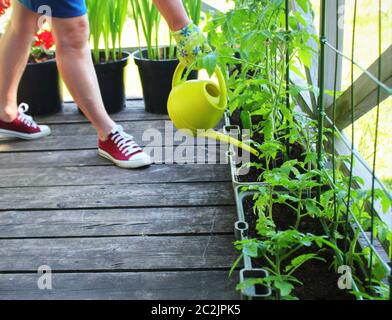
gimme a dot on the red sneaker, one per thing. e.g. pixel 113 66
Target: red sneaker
pixel 23 127
pixel 123 151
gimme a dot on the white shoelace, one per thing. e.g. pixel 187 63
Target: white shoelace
pixel 24 118
pixel 124 141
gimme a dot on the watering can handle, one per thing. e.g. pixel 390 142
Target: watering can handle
pixel 222 83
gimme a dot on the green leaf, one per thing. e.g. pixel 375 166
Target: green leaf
pixel 306 57
pixel 268 131
pixel 300 260
pixel 246 121
pixel 312 209
pixel 208 62
pixel 284 287
pixel 304 4
pixel 251 249
pixel 385 203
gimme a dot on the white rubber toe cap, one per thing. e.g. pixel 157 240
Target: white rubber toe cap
pixel 142 158
pixel 137 161
pixel 45 130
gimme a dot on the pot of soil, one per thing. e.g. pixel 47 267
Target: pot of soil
pixel 156 77
pixel 40 88
pixel 111 79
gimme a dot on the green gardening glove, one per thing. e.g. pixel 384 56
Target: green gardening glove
pixel 191 43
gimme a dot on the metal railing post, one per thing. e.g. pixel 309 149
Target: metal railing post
pixel 321 99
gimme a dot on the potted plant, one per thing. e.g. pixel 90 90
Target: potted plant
pixel 40 85
pixel 156 63
pixel 107 19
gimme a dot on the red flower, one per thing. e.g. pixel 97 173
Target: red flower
pixel 4 4
pixel 44 39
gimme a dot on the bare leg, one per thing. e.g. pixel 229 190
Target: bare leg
pixel 174 13
pixel 77 70
pixel 14 52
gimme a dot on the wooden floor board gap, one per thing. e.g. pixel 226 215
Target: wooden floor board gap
pixel 99 271
pixel 202 234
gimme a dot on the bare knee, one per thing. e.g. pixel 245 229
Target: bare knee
pixel 73 36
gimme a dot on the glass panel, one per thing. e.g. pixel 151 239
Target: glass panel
pixel 366 52
pixel 366 39
pixel 364 137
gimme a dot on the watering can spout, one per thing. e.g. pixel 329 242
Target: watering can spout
pixel 218 136
pixel 200 104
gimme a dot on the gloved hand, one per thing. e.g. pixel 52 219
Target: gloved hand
pixel 191 43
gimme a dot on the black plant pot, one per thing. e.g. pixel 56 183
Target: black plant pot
pixel 40 88
pixel 156 77
pixel 111 79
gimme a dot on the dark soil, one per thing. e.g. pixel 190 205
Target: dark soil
pixel 318 278
pixel 43 57
pixel 102 58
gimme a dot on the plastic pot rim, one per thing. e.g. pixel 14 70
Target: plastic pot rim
pixel 137 57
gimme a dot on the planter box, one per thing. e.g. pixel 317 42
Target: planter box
pixel 235 132
pixel 241 229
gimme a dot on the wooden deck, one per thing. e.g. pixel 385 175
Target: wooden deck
pixel 165 232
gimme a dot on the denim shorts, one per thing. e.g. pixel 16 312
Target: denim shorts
pixel 57 8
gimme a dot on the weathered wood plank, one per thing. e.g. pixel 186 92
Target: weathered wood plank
pixel 143 195
pixel 81 158
pixel 116 222
pixel 120 253
pixel 51 143
pixel 202 285
pixel 111 175
pixel 136 128
pixel 59 143
pixel 133 112
pixel 82 136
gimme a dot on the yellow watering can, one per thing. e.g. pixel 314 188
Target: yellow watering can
pixel 200 105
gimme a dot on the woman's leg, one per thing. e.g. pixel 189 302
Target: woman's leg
pixel 14 52
pixel 77 70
